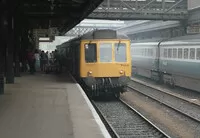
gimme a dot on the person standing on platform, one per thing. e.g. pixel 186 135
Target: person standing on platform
pixel 58 61
pixel 47 57
pixel 31 61
pixel 37 60
pixel 42 60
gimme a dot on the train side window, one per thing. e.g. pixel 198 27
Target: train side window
pixel 150 52
pixel 180 53
pixel 192 53
pixel 169 53
pixel 139 52
pixel 186 53
pixel 105 52
pixel 120 52
pixel 165 53
pixel 145 52
pixel 90 53
pixel 174 53
pixel 198 53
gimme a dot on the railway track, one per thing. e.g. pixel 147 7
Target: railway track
pixel 123 121
pixel 179 104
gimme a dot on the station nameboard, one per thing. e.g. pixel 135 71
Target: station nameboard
pixel 194 29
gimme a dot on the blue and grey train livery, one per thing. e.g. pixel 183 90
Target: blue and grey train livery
pixel 175 61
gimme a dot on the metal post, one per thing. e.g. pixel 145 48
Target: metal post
pixel 17 45
pixel 136 5
pixel 1 69
pixel 163 5
pixel 17 60
pixel 108 4
pixel 3 26
pixel 10 51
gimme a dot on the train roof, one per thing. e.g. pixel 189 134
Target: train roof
pixel 97 34
pixel 144 44
pixel 100 34
pixel 103 34
pixel 186 40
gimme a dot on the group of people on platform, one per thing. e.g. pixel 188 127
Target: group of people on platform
pixel 36 60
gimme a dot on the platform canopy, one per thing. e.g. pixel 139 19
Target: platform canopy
pixel 63 14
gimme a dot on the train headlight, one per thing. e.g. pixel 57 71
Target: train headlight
pixel 121 71
pixel 89 72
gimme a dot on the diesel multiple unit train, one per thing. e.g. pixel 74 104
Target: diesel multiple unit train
pixel 174 61
pixel 99 60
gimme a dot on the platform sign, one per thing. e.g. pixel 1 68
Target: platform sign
pixel 195 29
pixel 46 39
pixel 53 31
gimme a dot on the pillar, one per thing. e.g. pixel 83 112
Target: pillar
pixel 10 49
pixel 3 34
pixel 17 35
pixel 1 71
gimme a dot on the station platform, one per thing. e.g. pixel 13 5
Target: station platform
pixel 48 106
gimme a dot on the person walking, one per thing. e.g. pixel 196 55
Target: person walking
pixel 31 61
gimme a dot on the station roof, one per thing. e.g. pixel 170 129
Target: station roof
pixel 64 14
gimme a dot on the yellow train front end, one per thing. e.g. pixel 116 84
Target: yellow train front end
pixel 105 66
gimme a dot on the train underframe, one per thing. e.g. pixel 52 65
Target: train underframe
pixel 170 79
pixel 106 86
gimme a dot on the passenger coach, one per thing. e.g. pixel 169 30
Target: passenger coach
pixel 175 61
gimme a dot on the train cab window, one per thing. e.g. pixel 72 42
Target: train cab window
pixel 186 53
pixel 90 53
pixel 105 52
pixel 192 53
pixel 174 53
pixel 169 53
pixel 198 53
pixel 180 53
pixel 120 52
pixel 165 53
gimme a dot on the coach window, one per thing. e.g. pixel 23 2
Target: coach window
pixel 169 53
pixel 180 53
pixel 150 52
pixel 174 53
pixel 146 52
pixel 120 52
pixel 192 53
pixel 165 53
pixel 198 53
pixel 90 53
pixel 143 52
pixel 186 53
pixel 105 52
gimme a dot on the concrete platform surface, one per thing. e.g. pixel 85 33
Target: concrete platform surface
pixel 47 106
